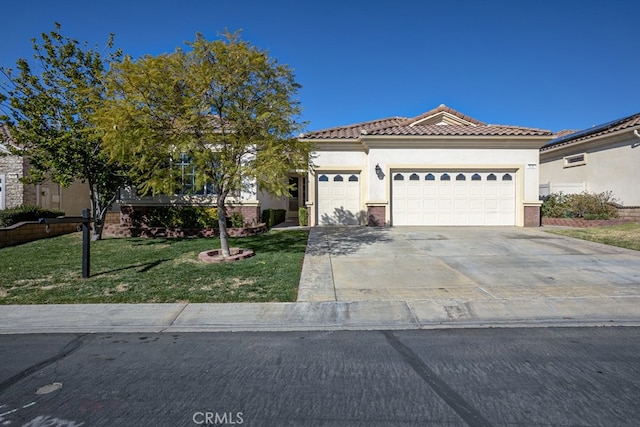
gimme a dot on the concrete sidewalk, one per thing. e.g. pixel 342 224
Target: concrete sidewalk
pixel 360 315
pixel 481 281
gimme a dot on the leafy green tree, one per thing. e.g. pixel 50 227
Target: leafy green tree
pixel 224 104
pixel 46 106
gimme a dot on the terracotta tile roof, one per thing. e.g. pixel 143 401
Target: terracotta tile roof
pixel 354 131
pixel 453 130
pixel 565 132
pixel 402 126
pixel 628 122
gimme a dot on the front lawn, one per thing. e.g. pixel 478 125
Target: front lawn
pixel 623 235
pixel 151 271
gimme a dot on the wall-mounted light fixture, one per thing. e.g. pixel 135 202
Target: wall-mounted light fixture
pixel 379 172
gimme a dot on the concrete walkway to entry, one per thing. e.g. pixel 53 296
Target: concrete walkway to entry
pixel 398 278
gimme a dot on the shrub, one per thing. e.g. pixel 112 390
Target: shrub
pixel 556 205
pixel 303 216
pixel 273 217
pixel 584 205
pixel 176 217
pixel 12 216
pixel 237 220
pixel 208 217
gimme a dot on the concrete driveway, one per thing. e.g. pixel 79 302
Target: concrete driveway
pixel 461 263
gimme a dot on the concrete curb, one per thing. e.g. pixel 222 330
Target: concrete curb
pixel 300 316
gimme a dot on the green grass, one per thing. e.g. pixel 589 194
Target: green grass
pixel 624 235
pixel 151 270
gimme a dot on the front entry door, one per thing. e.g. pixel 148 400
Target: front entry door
pixel 297 197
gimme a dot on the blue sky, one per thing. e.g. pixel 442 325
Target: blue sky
pixel 551 64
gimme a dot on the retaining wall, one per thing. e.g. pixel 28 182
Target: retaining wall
pixel 23 232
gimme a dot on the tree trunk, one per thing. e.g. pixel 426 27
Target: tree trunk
pixel 96 226
pixel 222 225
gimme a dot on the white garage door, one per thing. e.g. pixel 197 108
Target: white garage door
pixel 453 198
pixel 339 199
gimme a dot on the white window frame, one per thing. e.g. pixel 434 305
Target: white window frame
pixel 3 191
pixel 575 160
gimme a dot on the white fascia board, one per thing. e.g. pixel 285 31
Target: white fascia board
pixel 488 142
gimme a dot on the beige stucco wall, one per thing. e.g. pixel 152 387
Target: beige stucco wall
pixel 611 165
pixel 522 161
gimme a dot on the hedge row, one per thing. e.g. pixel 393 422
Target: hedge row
pixel 273 217
pixel 175 217
pixel 12 216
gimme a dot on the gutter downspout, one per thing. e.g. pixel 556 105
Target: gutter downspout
pixel 636 144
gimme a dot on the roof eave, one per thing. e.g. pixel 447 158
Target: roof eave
pixel 587 140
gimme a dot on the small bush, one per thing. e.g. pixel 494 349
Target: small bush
pixel 12 216
pixel 237 220
pixel 208 217
pixel 273 217
pixel 176 217
pixel 556 205
pixel 303 217
pixel 584 205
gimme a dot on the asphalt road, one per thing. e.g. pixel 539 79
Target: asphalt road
pixel 477 377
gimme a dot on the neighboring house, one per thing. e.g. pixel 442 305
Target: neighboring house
pixel 439 168
pixel 48 195
pixel 598 159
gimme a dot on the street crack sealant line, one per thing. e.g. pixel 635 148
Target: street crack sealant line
pixel 456 402
pixel 67 350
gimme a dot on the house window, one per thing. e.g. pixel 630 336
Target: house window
pixel 577 160
pixel 188 183
pixel 445 177
pixel 461 177
pixel 491 177
pixel 476 177
pixel 338 178
pixel 507 177
pixel 323 178
pixel 414 177
pixel 430 177
pixel 398 177
pixel 353 178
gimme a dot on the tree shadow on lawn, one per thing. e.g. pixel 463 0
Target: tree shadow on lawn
pixel 143 267
pixel 278 241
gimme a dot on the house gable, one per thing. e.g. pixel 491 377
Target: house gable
pixel 443 116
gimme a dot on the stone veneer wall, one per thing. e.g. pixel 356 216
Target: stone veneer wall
pixel 631 213
pixel 17 193
pixel 583 223
pixel 532 216
pixel 23 232
pixel 376 216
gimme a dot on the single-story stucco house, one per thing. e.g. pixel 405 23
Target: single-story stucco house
pixel 48 195
pixel 439 168
pixel 598 159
